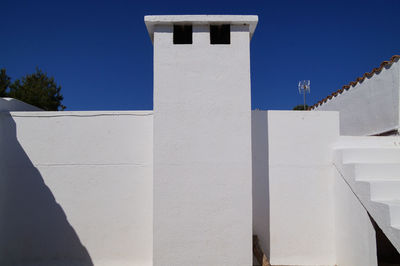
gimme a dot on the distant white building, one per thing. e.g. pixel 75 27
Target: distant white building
pixel 370 104
pixel 190 182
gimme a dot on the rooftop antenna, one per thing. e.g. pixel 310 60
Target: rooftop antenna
pixel 304 87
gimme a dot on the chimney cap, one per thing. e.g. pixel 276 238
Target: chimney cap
pixel 151 21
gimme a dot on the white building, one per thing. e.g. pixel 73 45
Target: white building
pixel 190 182
pixel 370 104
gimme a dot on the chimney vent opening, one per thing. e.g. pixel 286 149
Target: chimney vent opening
pixel 183 34
pixel 220 34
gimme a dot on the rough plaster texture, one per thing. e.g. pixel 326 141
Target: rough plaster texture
pixel 76 188
pixel 354 235
pixel 259 139
pixel 303 211
pixel 205 20
pixel 371 107
pixel 202 150
pixel 370 166
pixel 301 187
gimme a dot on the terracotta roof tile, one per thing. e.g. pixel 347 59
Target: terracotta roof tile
pixel 393 59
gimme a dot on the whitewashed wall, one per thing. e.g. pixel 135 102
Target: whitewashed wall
pixel 299 211
pixel 76 188
pixel 300 183
pixel 354 235
pixel 371 107
pixel 202 149
pixel 261 204
pixel 303 211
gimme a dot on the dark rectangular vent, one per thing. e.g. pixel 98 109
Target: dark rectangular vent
pixel 183 34
pixel 220 34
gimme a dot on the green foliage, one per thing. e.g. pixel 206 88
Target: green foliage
pixel 300 107
pixel 5 82
pixel 39 90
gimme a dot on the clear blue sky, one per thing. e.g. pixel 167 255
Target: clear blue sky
pixel 101 55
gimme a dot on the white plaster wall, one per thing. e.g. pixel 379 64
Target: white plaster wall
pixel 76 188
pixel 301 187
pixel 11 104
pixel 355 234
pixel 371 107
pixel 259 125
pixel 202 150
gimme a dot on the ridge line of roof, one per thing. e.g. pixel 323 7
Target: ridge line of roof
pixel 346 87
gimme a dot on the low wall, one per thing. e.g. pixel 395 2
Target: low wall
pixel 76 188
pixel 303 211
pixel 292 159
pixel 371 107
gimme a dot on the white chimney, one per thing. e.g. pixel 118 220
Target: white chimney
pixel 202 139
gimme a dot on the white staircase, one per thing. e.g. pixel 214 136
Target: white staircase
pixel 371 167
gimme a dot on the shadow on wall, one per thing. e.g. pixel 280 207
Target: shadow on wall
pixel 34 229
pixel 261 219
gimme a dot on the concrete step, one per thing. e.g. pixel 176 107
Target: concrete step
pixel 371 167
pixel 382 189
pixel 394 210
pixel 370 155
pixel 375 170
pixel 396 226
pixel 346 142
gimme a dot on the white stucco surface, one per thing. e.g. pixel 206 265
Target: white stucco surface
pixel 11 104
pixel 301 200
pixel 202 150
pixel 370 166
pixel 205 20
pixel 76 188
pixel 261 204
pixel 354 235
pixel 371 107
pixel 191 182
pixel 303 211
